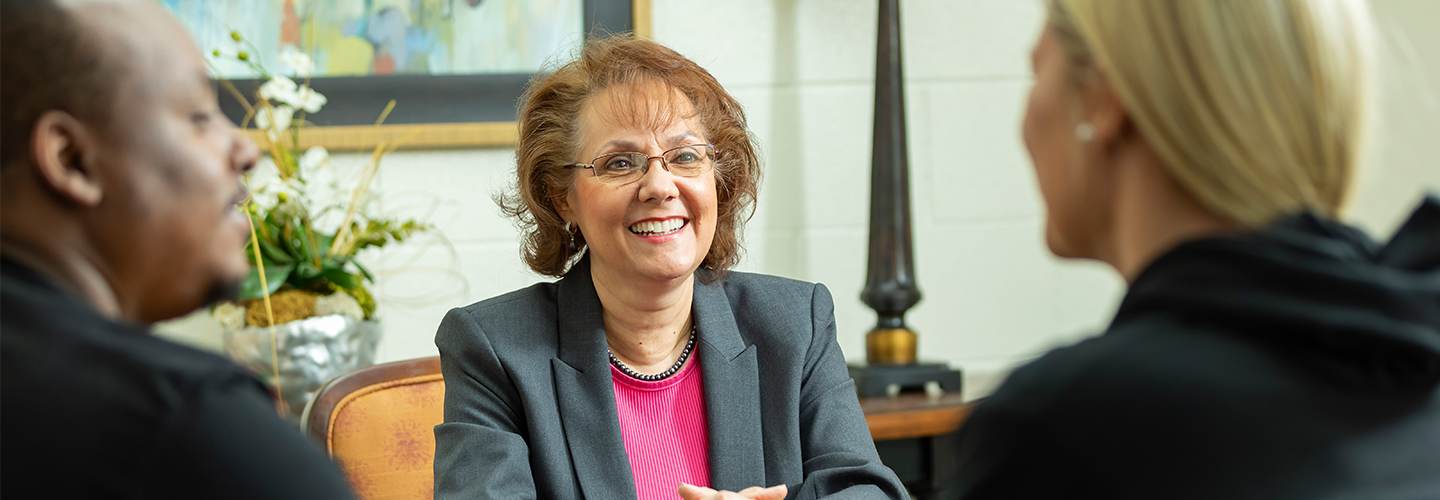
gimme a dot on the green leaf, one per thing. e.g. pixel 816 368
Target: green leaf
pixel 339 277
pixel 272 224
pixel 306 271
pixel 297 243
pixel 364 272
pixel 332 263
pixel 378 233
pixel 275 276
pixel 275 254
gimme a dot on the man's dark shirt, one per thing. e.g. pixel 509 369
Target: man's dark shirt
pixel 1301 361
pixel 93 408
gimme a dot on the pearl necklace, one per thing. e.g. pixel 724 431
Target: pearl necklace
pixel 684 355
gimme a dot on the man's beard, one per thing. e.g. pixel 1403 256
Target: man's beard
pixel 226 290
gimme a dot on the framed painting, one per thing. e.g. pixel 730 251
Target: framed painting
pixel 456 68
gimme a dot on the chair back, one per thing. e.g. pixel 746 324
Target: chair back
pixel 377 423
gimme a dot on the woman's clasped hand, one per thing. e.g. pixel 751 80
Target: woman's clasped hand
pixel 692 492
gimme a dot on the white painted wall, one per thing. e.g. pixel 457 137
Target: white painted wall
pixel 804 69
pixel 1405 152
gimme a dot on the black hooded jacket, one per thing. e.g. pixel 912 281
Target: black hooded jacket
pixel 1299 361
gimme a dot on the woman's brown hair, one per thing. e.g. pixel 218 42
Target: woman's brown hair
pixel 549 140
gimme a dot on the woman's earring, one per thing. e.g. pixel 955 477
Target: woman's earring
pixel 571 233
pixel 1085 132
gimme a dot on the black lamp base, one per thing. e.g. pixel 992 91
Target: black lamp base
pixel 875 380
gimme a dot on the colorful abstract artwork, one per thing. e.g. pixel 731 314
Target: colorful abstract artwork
pixel 388 37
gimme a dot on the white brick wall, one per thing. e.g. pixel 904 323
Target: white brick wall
pixel 993 296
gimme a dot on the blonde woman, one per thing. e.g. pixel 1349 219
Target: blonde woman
pixel 1204 150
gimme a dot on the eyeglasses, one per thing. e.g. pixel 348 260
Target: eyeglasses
pixel 690 160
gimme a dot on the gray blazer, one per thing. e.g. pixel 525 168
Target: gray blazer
pixel 530 407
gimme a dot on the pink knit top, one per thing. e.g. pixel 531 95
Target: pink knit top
pixel 664 427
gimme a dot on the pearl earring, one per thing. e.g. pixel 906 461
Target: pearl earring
pixel 1085 132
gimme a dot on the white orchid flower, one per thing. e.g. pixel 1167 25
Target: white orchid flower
pixel 325 199
pixel 263 181
pixel 264 174
pixel 274 119
pixel 284 91
pixel 309 100
pixel 297 61
pixel 314 159
pixel 281 192
pixel 279 88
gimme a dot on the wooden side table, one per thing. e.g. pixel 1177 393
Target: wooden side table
pixel 915 435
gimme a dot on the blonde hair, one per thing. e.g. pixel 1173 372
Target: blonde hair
pixel 1258 108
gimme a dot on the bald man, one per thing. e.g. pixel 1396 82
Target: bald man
pixel 119 185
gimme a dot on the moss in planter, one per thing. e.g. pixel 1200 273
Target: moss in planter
pixel 288 305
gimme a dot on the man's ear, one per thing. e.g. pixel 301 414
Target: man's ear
pixel 60 146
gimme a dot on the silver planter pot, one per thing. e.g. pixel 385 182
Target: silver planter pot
pixel 311 351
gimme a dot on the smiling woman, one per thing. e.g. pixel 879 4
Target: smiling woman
pixel 630 377
pixel 609 102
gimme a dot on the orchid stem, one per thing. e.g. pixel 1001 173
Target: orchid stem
pixel 265 296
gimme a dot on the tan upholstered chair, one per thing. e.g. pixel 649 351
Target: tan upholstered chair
pixel 378 424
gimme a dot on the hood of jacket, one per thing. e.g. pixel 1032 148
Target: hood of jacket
pixel 1361 315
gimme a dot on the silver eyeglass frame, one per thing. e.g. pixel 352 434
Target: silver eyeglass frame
pixel 645 166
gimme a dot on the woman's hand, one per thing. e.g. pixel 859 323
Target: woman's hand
pixel 692 492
